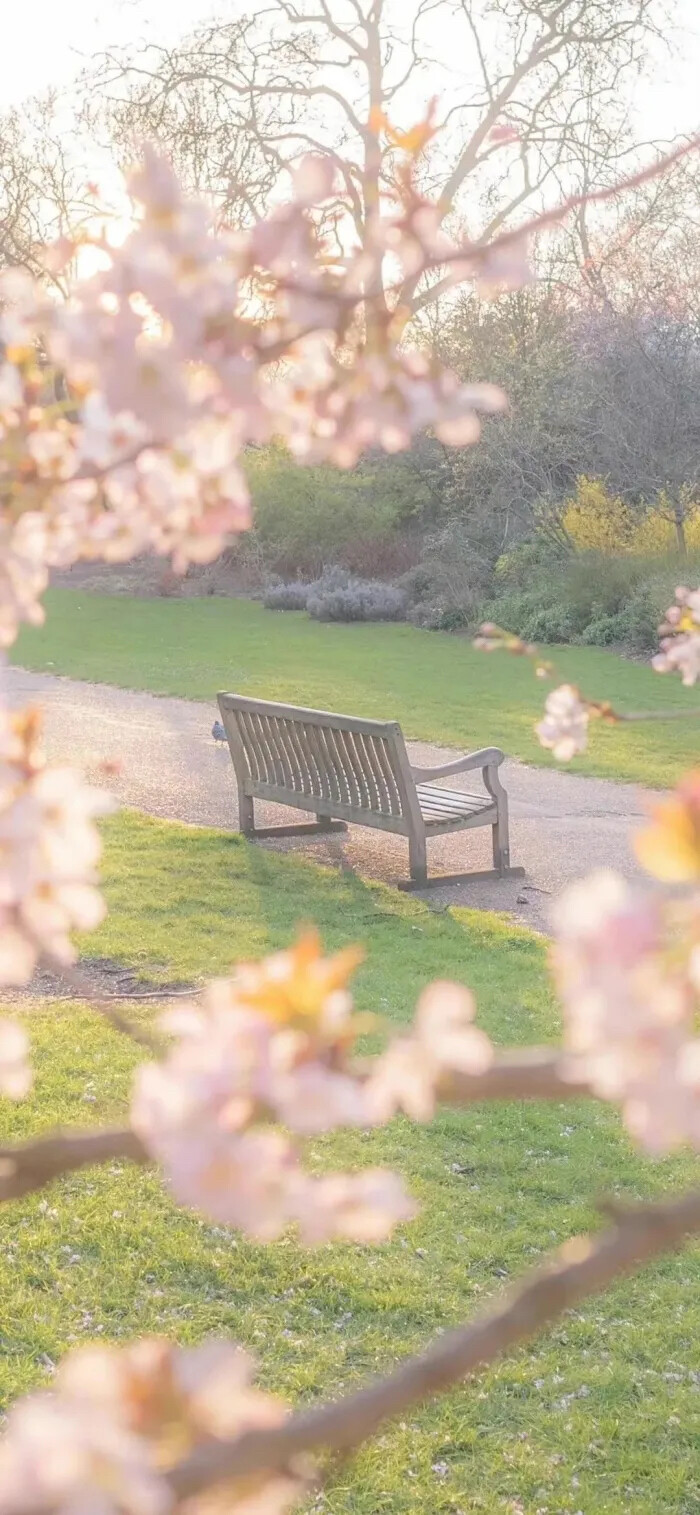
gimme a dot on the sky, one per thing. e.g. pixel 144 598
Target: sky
pixel 49 40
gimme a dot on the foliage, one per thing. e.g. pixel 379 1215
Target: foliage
pixel 338 596
pixel 445 590
pixel 436 685
pixel 305 518
pixel 358 600
pixel 597 598
pixel 596 520
pixel 655 532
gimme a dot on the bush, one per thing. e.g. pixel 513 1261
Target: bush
pixel 445 591
pixel 295 595
pixel 359 600
pixel 595 520
pixel 307 516
pixel 281 596
pixel 337 596
pixel 590 597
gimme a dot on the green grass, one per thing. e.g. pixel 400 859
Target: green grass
pixel 600 1414
pixel 436 685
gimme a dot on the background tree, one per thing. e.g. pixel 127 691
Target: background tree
pixel 43 191
pixel 237 101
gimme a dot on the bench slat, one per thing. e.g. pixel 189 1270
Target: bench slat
pixel 450 802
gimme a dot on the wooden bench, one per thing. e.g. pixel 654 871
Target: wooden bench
pixel 344 769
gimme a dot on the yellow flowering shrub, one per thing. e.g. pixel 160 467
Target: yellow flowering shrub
pixel 596 520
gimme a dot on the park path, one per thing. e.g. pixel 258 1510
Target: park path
pixel 562 825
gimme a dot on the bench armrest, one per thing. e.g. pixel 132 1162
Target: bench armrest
pixel 487 757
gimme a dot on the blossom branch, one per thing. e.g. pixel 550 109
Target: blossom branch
pixel 529 1073
pixel 583 1266
pixel 31 1165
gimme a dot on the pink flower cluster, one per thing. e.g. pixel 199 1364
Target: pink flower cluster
pixel 680 637
pixel 270 1048
pixel 630 998
pixel 407 1075
pixel 188 345
pixel 118 1419
pixel 564 727
pixel 15 1072
pixel 49 848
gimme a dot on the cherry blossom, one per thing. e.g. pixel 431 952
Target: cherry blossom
pixel 680 637
pixel 442 1038
pixel 118 1418
pixel 274 1044
pixel 333 411
pixel 49 848
pixel 271 1043
pixel 15 1073
pixel 628 1004
pixel 23 573
pixel 564 728
pixel 669 847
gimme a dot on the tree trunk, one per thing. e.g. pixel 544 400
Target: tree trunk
pixel 679 522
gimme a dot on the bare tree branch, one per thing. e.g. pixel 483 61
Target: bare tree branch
pixel 583 1266
pixel 30 1166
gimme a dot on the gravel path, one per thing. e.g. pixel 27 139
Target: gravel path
pixel 561 826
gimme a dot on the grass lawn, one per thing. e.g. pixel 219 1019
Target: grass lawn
pixel 435 684
pixel 600 1415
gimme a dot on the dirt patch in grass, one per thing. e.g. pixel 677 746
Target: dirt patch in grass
pixel 108 978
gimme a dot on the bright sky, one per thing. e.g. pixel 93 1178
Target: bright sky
pixel 49 40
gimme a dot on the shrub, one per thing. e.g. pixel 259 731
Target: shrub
pixel 655 534
pixel 308 516
pixel 597 520
pixel 584 598
pixel 359 600
pixel 445 591
pixel 295 595
pixel 281 596
pixel 337 596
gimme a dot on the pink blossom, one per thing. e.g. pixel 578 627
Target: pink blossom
pixel 58 1456
pixel 15 1073
pixel 23 573
pixel 270 1044
pixel 628 1005
pixel 680 638
pixel 565 726
pixel 442 1038
pixel 336 412
pixel 11 391
pixel 362 1207
pixel 119 1418
pixel 49 848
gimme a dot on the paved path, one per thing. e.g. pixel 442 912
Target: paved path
pixel 561 826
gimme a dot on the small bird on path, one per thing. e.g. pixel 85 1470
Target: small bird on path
pixel 218 732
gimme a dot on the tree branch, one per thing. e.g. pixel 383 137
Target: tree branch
pixel 526 1073
pixel 36 1163
pixel 583 1266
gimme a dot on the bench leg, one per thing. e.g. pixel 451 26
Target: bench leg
pixel 418 860
pixel 501 838
pixel 246 814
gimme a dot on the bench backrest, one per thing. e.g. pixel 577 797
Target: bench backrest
pixel 354 765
